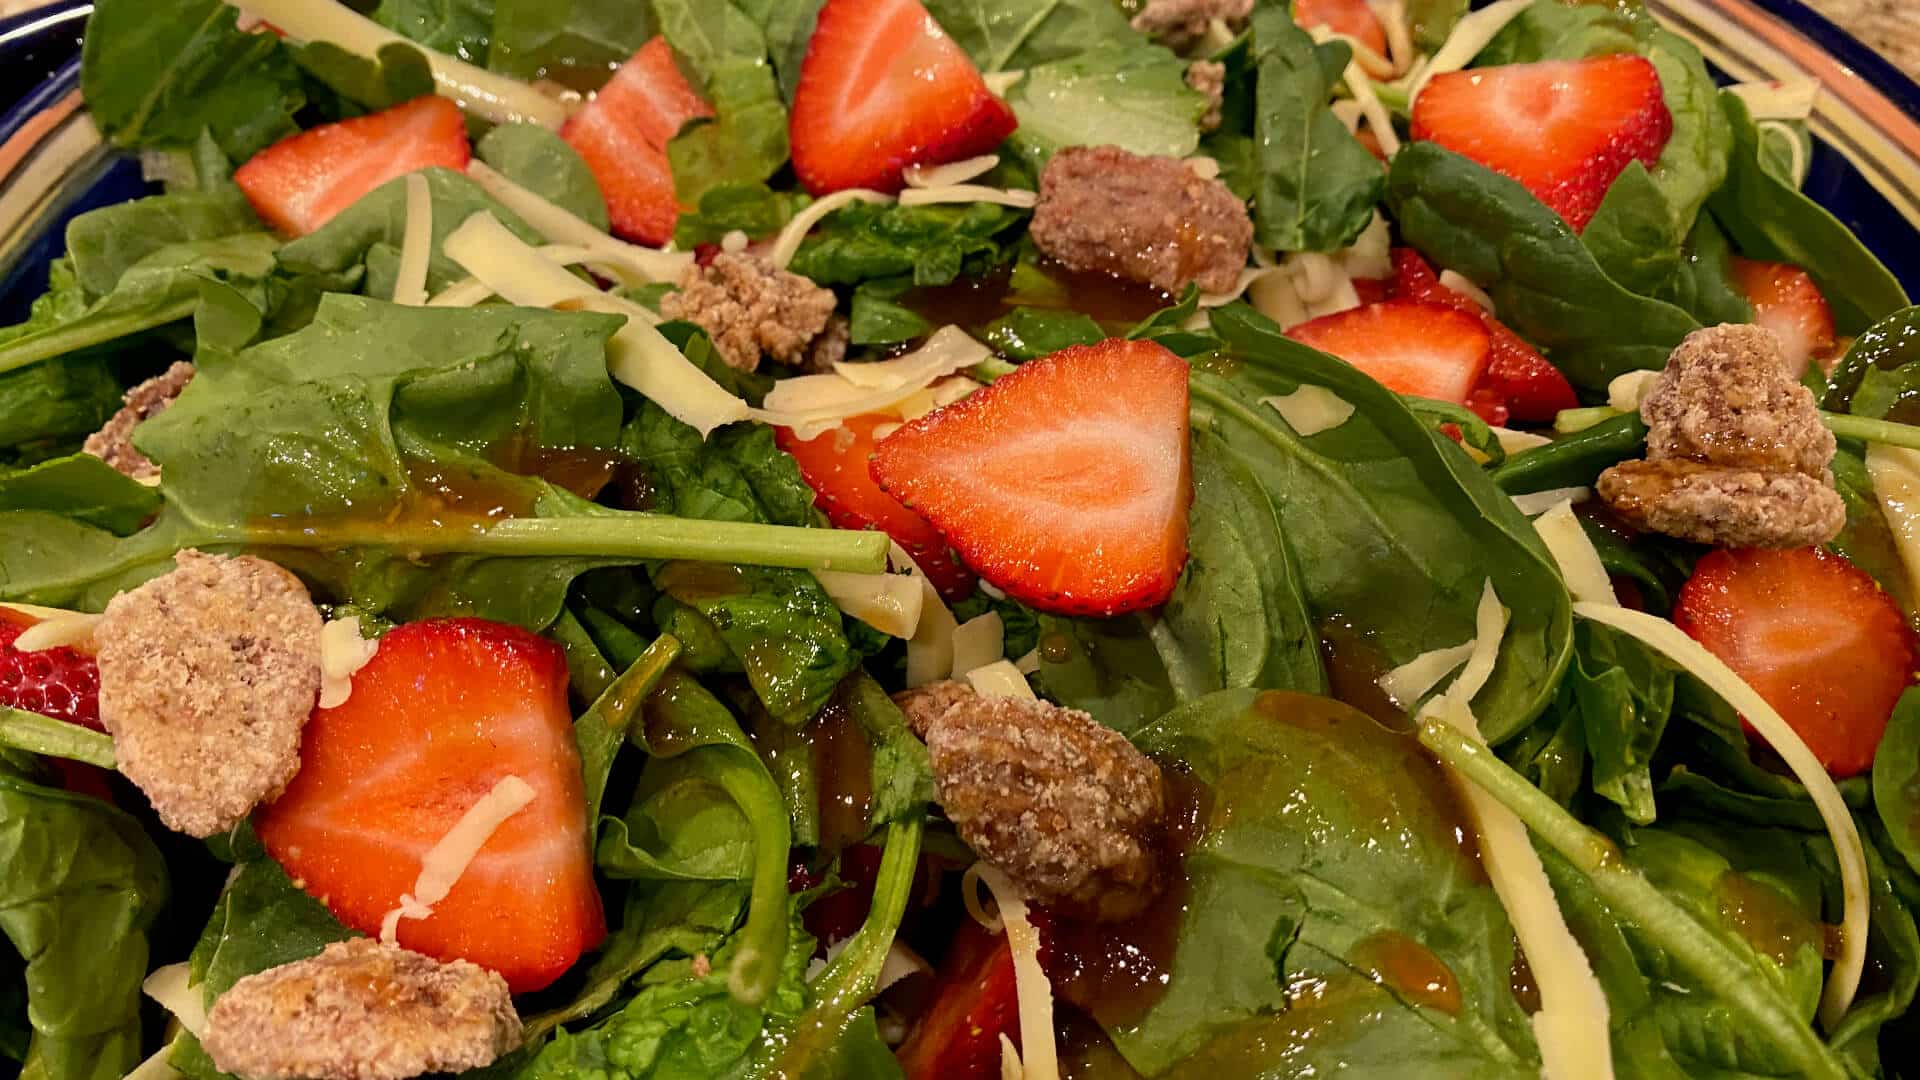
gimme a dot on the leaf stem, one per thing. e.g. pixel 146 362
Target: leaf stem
pixel 1884 432
pixel 1627 892
pixel 43 735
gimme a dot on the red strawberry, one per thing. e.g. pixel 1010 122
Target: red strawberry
pixel 883 87
pixel 1065 483
pixel 622 134
pixel 445 710
pixel 1518 379
pixel 300 182
pixel 1410 346
pixel 1564 128
pixel 1350 17
pixel 835 465
pixel 975 1001
pixel 1786 301
pixel 63 683
pixel 1812 634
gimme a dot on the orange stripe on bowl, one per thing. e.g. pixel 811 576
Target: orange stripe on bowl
pixel 38 127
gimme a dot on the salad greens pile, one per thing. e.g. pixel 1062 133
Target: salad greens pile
pixel 409 462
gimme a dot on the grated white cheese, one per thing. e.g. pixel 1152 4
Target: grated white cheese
pixel 1408 683
pixel 1513 442
pixel 1040 1060
pixel 1896 487
pixel 343 652
pixel 60 630
pixel 1002 678
pixel 1371 253
pixel 1348 112
pixel 1791 99
pixel 562 226
pixel 1626 392
pixel 890 603
pixel 1010 1066
pixel 978 642
pixel 416 243
pixel 955 172
pixel 999 82
pixel 970 193
pixel 444 863
pixel 787 244
pixel 173 988
pixel 1572 549
pixel 1464 285
pixel 1311 409
pixel 812 404
pixel 37 611
pixel 1364 57
pixel 1359 78
pixel 1393 17
pixel 1797 161
pixel 1843 980
pixel 1535 503
pixel 1029 663
pixel 930 649
pixel 1470 35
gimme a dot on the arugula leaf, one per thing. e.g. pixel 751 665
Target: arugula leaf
pixel 82 487
pixel 577 42
pixel 933 244
pixel 83 885
pixel 1772 220
pixel 1010 35
pixel 1134 96
pixel 1544 282
pixel 540 161
pixel 156 77
pixel 456 27
pixel 1318 185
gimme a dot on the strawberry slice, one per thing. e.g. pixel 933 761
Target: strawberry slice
pixel 622 134
pixel 1564 128
pixel 883 87
pixel 975 1001
pixel 445 710
pixel 63 683
pixel 835 465
pixel 1065 483
pixel 1353 18
pixel 1813 635
pixel 1518 383
pixel 1409 346
pixel 1786 301
pixel 299 183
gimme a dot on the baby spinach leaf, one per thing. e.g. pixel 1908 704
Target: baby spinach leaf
pixel 746 142
pixel 1394 529
pixel 157 75
pixel 397 73
pixel 576 42
pixel 1544 281
pixel 104 244
pixel 456 27
pixel 862 241
pixel 788 26
pixel 1318 185
pixel 875 319
pixel 1889 350
pixel 540 161
pixel 1010 35
pixel 902 774
pixel 1703 283
pixel 780 625
pixel 46 404
pixel 1292 883
pixel 1026 333
pixel 262 920
pixel 602 730
pixel 1896 778
pixel 1622 694
pixel 82 487
pixel 1772 220
pixel 754 209
pixel 1550 30
pixel 1866 539
pixel 1132 95
pixel 82 886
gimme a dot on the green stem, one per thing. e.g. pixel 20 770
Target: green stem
pixel 1884 432
pixel 90 330
pixel 1573 421
pixel 623 536
pixel 43 735
pixel 1627 892
pixel 756 964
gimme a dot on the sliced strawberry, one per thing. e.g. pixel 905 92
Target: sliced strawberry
pixel 1564 128
pixel 622 134
pixel 1813 635
pixel 1786 301
pixel 883 87
pixel 1409 346
pixel 975 1002
pixel 1517 379
pixel 299 183
pixel 63 683
pixel 1353 18
pixel 1065 483
pixel 445 710
pixel 835 465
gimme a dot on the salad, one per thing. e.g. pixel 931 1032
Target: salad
pixel 955 538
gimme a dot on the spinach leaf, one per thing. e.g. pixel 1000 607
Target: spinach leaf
pixel 1866 539
pixel 1318 185
pixel 862 241
pixel 1772 220
pixel 1703 283
pixel 1236 619
pixel 456 27
pixel 397 73
pixel 104 244
pixel 576 42
pixel 1896 778
pixel 901 784
pixel 787 26
pixel 47 404
pixel 1027 333
pixel 83 884
pixel 746 142
pixel 540 161
pixel 602 730
pixel 1888 353
pixel 1544 282
pixel 1394 529
pixel 1622 694
pixel 875 319
pixel 82 487
pixel 157 75
pixel 754 209
pixel 1431 21
pixel 1294 882
pixel 1134 96
pixel 1009 35
pixel 262 920
pixel 1550 30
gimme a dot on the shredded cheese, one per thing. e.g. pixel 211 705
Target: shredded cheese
pixel 1662 636
pixel 1364 57
pixel 978 642
pixel 999 82
pixel 173 987
pixel 787 244
pixel 444 863
pixel 61 630
pixel 1535 503
pixel 1029 663
pixel 562 226
pixel 37 611
pixel 1393 17
pixel 1470 35
pixel 1359 82
pixel 970 193
pixel 416 244
pixel 1040 1060
pixel 1896 487
pixel 812 404
pixel 890 603
pixel 1626 392
pixel 1002 678
pixel 1793 99
pixel 1797 161
pixel 1513 442
pixel 1311 409
pixel 1464 285
pixel 955 172
pixel 930 649
pixel 1572 549
pixel 1010 1066
pixel 970 899
pixel 1408 683
pixel 1371 253
pixel 343 652
pixel 462 294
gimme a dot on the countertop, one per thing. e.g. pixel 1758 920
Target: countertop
pixel 1891 26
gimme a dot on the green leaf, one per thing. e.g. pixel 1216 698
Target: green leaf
pixel 1319 185
pixel 1772 220
pixel 540 161
pixel 1703 285
pixel 576 42
pixel 1888 350
pixel 1432 20
pixel 397 74
pixel 933 244
pixel 1550 30
pixel 104 244
pixel 1543 281
pixel 1013 35
pixel 261 921
pixel 787 26
pixel 1134 96
pixel 84 488
pixel 1027 333
pixel 745 144
pixel 157 78
pixel 875 319
pixel 602 730
pixel 754 209
pixel 456 27
pixel 48 737
pixel 1622 693
pixel 83 885
pixel 1896 779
